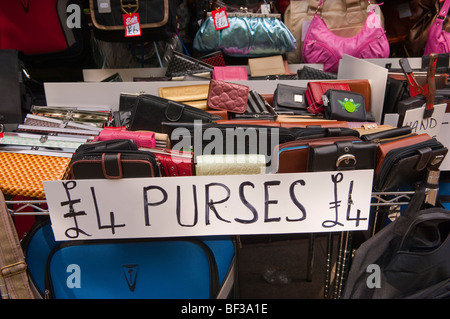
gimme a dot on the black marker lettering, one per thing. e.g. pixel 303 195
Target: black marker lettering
pixel 336 179
pixel 296 202
pixel 194 191
pixel 357 219
pixel 72 213
pixel 147 204
pixel 209 203
pixel 267 201
pixel 247 204
pixel 112 219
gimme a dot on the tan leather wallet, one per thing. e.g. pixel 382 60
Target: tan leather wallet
pixel 194 95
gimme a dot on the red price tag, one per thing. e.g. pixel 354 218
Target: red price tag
pixel 220 18
pixel 132 25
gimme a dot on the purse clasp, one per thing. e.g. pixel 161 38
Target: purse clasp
pixel 129 6
pixel 346 158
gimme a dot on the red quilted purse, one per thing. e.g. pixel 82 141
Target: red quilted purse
pixel 228 96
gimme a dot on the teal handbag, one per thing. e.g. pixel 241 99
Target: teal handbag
pixel 248 35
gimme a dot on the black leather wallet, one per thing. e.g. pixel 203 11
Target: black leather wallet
pixel 289 99
pixel 345 155
pixel 344 105
pixel 150 111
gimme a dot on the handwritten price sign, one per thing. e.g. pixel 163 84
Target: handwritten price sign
pixel 132 25
pixel 210 205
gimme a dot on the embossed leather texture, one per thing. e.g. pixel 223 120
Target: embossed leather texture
pixel 227 96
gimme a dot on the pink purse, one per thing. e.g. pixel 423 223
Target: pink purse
pixel 324 47
pixel 140 138
pixel 438 40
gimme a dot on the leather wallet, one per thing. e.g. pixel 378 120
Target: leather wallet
pixel 310 73
pixel 230 164
pixel 112 159
pixel 342 105
pixel 215 59
pixel 289 99
pixel 141 139
pixel 361 86
pixel 315 91
pixel 174 163
pixel 267 66
pixel 257 109
pixel 230 73
pixel 194 95
pixel 228 96
pixel 343 155
pixel 384 133
pixel 385 148
pixel 151 111
pixel 409 165
pixel 293 157
pixel 181 65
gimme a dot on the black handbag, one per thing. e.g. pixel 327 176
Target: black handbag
pixel 157 19
pixel 150 111
pixel 289 99
pixel 411 255
pixel 342 155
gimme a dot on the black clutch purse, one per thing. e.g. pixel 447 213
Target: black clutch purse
pixel 310 73
pixel 182 65
pixel 346 155
pixel 150 111
pixel 344 105
pixel 289 99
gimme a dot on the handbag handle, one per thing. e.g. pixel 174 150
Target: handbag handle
pixel 349 4
pixel 444 10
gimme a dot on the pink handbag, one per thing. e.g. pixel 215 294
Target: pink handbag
pixel 324 47
pixel 438 40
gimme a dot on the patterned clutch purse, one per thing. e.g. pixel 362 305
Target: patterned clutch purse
pixel 181 65
pixel 22 174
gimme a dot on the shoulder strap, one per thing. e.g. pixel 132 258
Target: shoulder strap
pixel 444 10
pixel 14 282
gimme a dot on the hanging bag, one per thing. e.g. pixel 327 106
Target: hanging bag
pixel 438 40
pixel 157 19
pixel 343 17
pixel 248 35
pixel 322 46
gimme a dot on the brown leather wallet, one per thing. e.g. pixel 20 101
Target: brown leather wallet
pixel 293 157
pixel 383 149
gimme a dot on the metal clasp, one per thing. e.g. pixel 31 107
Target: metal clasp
pixel 129 6
pixel 346 159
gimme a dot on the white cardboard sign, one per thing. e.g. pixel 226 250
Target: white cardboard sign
pixel 431 125
pixel 210 205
